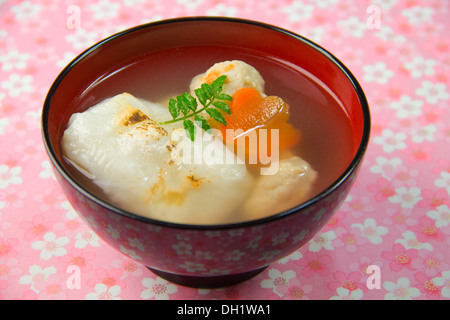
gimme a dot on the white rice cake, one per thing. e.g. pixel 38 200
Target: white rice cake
pixel 119 144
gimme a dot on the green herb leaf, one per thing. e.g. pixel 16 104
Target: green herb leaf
pixel 202 97
pixel 216 115
pixel 208 90
pixel 224 96
pixel 218 83
pixel 202 123
pixel 173 108
pixel 190 101
pixel 222 106
pixel 212 101
pixel 189 128
pixel 183 105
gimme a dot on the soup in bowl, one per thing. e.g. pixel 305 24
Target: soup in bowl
pixel 206 148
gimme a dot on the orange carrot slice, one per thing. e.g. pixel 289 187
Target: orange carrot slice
pixel 250 111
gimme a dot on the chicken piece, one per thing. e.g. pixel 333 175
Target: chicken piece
pixel 289 187
pixel 239 75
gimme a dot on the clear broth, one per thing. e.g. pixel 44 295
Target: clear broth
pixel 327 142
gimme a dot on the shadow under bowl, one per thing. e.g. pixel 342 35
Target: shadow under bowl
pixel 198 255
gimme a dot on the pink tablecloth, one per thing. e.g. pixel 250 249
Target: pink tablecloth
pixel 395 219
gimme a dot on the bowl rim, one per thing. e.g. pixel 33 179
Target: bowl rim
pixel 358 157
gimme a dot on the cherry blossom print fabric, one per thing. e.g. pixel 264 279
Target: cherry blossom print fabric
pixel 389 240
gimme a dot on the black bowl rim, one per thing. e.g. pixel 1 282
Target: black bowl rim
pixel 359 155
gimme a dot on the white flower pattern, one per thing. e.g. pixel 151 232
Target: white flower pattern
pixel 391 141
pixel 16 85
pixel 10 176
pixel 51 246
pixel 433 92
pixel 400 290
pixel 407 107
pixel 378 72
pixel 158 289
pixel 407 198
pixel 103 292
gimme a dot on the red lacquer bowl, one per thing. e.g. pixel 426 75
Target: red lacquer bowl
pixel 231 253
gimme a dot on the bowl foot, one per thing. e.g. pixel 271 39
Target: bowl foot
pixel 207 282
